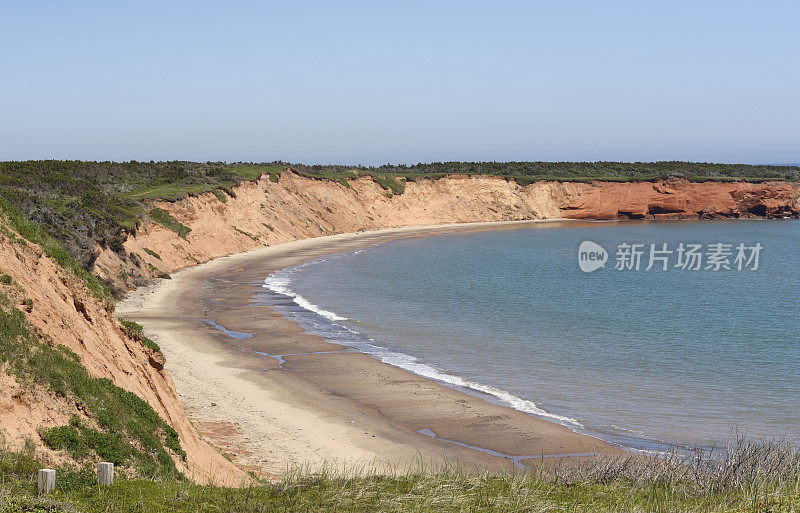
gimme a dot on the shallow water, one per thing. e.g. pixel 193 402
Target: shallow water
pixel 637 357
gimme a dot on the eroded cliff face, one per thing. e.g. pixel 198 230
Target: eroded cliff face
pixel 63 311
pixel 267 213
pixel 684 200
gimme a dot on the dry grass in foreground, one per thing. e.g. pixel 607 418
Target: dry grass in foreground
pixel 754 476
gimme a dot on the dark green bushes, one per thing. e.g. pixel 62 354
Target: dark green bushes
pixel 528 172
pixel 51 246
pixel 86 204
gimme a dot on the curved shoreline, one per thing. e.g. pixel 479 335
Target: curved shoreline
pixel 311 314
pixel 385 354
pixel 321 406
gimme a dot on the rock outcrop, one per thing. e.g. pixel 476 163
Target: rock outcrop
pixel 684 200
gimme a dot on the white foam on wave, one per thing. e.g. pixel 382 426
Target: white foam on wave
pixel 412 364
pixel 279 282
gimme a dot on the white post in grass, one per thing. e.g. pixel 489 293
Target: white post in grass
pixel 105 473
pixel 47 480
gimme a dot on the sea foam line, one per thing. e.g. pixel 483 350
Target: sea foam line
pixel 279 281
pixel 412 364
pixel 280 285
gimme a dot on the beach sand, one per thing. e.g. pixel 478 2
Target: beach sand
pixel 340 410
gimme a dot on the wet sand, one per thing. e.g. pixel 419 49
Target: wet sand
pixel 332 407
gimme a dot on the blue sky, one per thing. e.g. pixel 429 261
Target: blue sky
pixel 376 82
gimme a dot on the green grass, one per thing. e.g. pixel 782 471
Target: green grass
pixel 80 442
pixel 66 438
pixel 169 192
pixel 253 171
pixel 342 176
pixel 150 344
pixel 445 490
pixel 152 253
pixel 391 183
pixel 219 181
pixel 129 430
pixel 162 217
pixel 248 234
pixel 136 331
pixel 220 194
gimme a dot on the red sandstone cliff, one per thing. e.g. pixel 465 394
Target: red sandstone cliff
pixel 684 200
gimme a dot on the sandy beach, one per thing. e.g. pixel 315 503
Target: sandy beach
pixel 324 405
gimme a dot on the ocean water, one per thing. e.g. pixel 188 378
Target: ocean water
pixel 642 358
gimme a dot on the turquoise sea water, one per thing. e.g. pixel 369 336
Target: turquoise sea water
pixel 641 358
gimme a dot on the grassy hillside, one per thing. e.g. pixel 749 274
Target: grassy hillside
pixel 117 426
